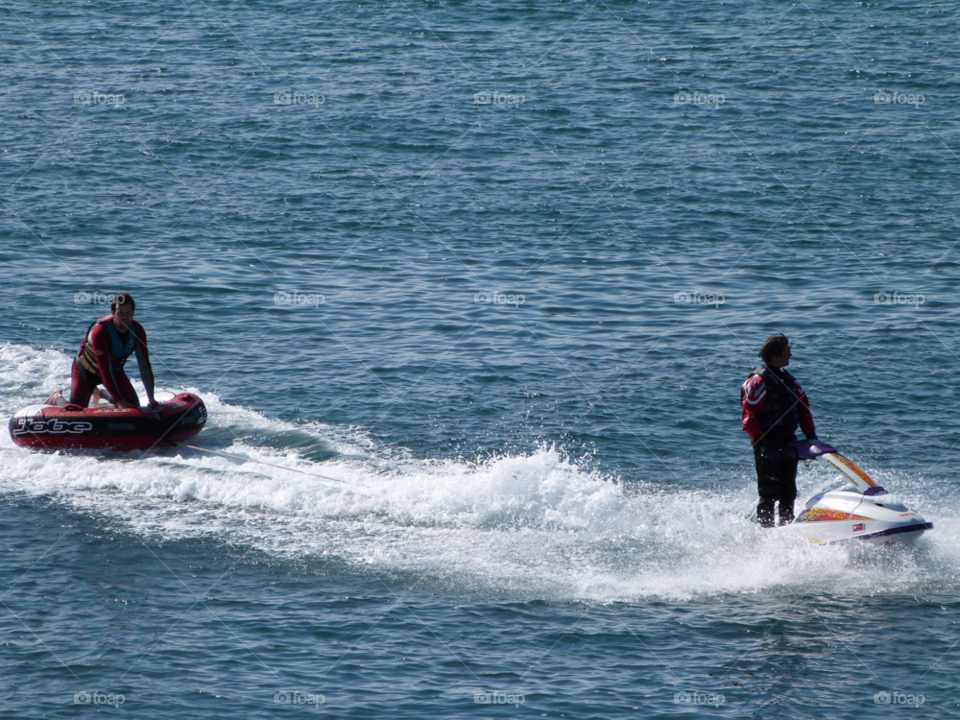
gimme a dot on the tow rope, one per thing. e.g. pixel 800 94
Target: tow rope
pixel 279 467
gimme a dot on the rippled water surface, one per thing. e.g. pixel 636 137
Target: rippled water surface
pixel 499 271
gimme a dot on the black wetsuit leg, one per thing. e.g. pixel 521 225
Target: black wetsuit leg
pixel 767 488
pixel 776 483
pixel 788 487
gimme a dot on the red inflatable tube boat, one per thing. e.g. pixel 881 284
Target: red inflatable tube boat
pixel 51 427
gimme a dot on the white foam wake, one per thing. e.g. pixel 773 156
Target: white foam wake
pixel 533 525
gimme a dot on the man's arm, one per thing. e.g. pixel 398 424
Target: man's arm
pixel 143 360
pixel 804 414
pixel 753 394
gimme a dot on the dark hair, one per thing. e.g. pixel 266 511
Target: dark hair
pixel 122 299
pixel 773 347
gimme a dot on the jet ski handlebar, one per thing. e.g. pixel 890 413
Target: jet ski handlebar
pixel 810 449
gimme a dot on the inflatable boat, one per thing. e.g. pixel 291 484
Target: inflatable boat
pixel 70 427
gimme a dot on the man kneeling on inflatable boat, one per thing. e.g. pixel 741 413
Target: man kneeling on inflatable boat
pixel 105 348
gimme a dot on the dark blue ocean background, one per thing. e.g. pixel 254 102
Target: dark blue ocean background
pixel 501 268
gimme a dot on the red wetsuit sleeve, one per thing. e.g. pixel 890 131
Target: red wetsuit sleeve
pixel 143 359
pixel 803 411
pixel 100 339
pixel 753 394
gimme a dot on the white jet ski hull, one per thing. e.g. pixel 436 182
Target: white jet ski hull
pixel 849 516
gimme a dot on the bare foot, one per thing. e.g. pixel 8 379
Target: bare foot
pixel 53 397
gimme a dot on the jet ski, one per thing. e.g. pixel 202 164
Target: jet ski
pixel 66 426
pixel 865 513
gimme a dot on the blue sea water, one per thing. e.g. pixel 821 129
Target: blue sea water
pixel 500 269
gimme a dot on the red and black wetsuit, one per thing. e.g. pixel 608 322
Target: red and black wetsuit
pixel 773 405
pixel 101 358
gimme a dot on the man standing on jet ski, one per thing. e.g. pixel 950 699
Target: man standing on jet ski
pixel 105 348
pixel 773 406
